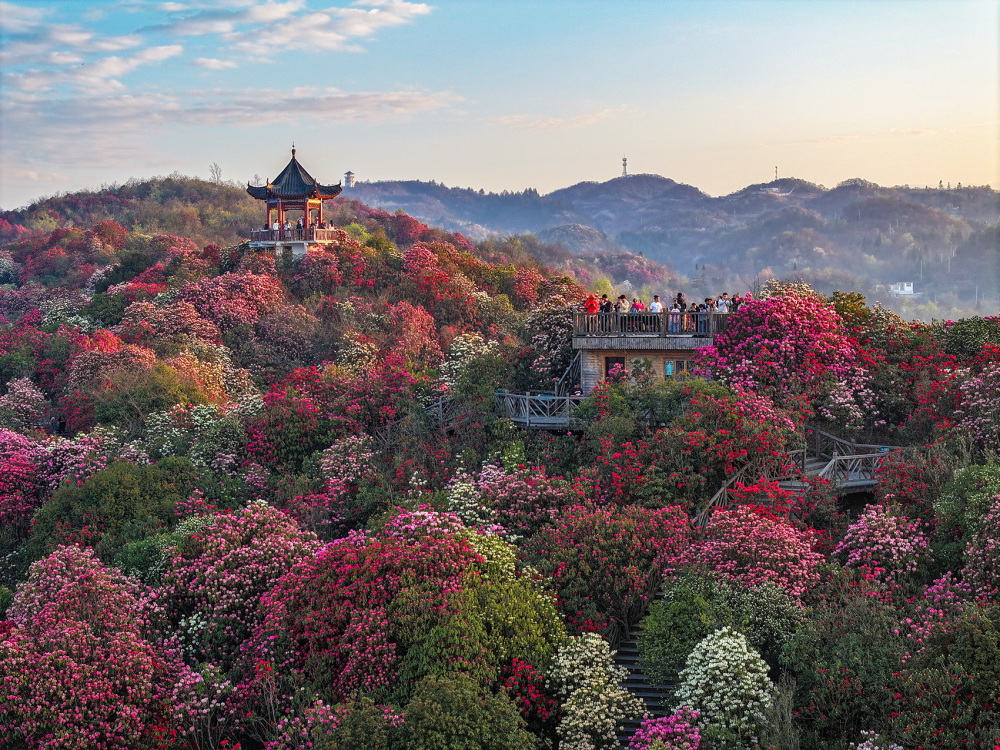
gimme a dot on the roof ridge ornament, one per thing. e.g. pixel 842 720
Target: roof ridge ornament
pixel 293 149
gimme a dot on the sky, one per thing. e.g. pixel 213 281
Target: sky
pixel 501 95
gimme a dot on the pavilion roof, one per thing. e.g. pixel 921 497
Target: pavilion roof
pixel 294 182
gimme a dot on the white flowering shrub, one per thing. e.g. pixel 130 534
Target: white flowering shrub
pixel 584 673
pixel 872 741
pixel 464 349
pixel 21 406
pixel 465 500
pixel 726 681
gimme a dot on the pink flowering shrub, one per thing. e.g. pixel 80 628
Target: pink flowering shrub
pixel 934 612
pixel 75 669
pixel 214 579
pixel 792 344
pixel 526 499
pixel 679 731
pixel 21 492
pixel 885 545
pixel 752 546
pixel 982 557
pixel 320 721
pixel 604 563
pixel 233 299
pixel 979 411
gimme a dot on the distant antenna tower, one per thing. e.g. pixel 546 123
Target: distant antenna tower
pixel 624 167
pixel 775 173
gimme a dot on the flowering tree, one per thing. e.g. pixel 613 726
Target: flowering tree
pixel 789 345
pixel 604 563
pixel 595 703
pixel 726 682
pixel 75 668
pixel 885 545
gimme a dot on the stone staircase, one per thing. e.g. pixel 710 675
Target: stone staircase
pixel 637 683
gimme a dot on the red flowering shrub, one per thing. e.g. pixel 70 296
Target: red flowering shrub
pixel 605 564
pixel 318 620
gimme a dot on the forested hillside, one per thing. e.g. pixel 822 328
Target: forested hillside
pixel 260 502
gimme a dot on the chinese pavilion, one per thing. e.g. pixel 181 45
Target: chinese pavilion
pixel 293 191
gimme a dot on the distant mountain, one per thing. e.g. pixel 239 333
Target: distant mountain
pixel 856 235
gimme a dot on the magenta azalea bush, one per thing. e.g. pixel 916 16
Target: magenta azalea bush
pixel 884 544
pixel 679 731
pixel 751 547
pixel 75 669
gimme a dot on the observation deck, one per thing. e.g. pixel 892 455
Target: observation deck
pixel 666 340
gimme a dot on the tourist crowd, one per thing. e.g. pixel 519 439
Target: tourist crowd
pixel 721 304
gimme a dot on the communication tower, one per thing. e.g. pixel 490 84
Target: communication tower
pixel 624 167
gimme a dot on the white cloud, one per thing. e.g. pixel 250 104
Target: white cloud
pixel 529 122
pixel 117 127
pixel 212 63
pixel 17 19
pixel 97 77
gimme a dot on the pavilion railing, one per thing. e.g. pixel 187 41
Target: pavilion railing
pixel 662 324
pixel 307 234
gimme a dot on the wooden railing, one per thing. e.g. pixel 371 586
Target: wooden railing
pixel 855 470
pixel 571 378
pixel 538 410
pixel 827 445
pixel 309 234
pixel 649 324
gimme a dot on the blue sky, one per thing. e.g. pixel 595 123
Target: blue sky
pixel 500 95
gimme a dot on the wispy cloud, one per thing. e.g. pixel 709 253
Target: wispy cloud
pixel 109 124
pixel 212 63
pixel 529 122
pixel 100 76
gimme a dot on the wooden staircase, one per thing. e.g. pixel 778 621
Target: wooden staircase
pixel 637 683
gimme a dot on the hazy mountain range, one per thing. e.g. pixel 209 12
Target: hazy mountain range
pixel 857 234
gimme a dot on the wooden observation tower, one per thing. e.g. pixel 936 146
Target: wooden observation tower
pixel 294 201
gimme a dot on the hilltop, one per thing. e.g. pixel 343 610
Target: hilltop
pixel 857 235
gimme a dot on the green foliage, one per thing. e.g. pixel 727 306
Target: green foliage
pixel 6 597
pixel 454 714
pixel 106 311
pixel 966 337
pixel 127 398
pixel 364 727
pixel 851 307
pixel 843 659
pixel 674 626
pixel 960 508
pixel 695 605
pixel 117 505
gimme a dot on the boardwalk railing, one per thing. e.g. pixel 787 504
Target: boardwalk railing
pixel 827 445
pixel 571 378
pixel 859 468
pixel 308 234
pixel 544 410
pixel 649 324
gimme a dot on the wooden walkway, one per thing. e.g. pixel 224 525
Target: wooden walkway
pixel 844 463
